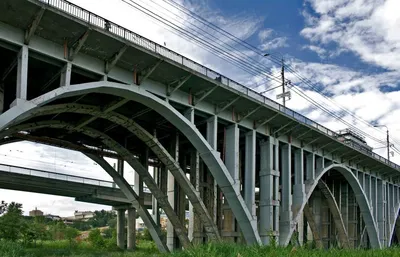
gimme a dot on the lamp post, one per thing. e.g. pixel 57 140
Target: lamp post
pixel 387 140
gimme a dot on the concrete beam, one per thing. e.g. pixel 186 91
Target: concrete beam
pixel 181 82
pixel 78 45
pixel 33 26
pixel 115 58
pixel 149 71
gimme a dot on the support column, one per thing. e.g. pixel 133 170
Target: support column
pixel 344 204
pixel 316 211
pixel 250 173
pixel 298 187
pixel 172 240
pixel 298 191
pixel 352 220
pixel 286 199
pixel 65 79
pixel 131 229
pixel 232 164
pixel 310 166
pixel 232 153
pixel 374 194
pixel 121 228
pixel 266 191
pixel 212 130
pixel 195 226
pixel 325 223
pixel 277 196
pixel 22 73
pixel 154 204
pixel 381 198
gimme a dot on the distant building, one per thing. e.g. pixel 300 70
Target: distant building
pixel 35 213
pixel 52 217
pixel 83 215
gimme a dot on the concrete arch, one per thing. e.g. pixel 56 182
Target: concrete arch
pixel 360 197
pixel 136 165
pixel 209 155
pixel 152 142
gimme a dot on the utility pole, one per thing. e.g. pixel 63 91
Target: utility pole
pixel 388 143
pixel 283 83
pixel 387 139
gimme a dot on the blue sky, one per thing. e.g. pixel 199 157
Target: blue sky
pixel 349 48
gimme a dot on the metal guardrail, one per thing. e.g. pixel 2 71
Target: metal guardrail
pixel 95 20
pixel 60 176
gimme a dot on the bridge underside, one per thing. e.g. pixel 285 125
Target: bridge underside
pixel 250 174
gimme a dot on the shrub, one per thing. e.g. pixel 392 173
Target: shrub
pixel 95 238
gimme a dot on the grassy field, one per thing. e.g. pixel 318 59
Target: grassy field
pixel 148 249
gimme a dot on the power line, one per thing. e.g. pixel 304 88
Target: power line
pixel 272 55
pixel 232 58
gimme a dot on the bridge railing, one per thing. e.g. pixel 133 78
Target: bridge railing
pixel 95 20
pixel 60 176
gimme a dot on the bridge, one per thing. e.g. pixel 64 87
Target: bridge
pixel 83 189
pixel 75 80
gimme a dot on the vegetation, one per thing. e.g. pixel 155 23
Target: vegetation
pixel 33 237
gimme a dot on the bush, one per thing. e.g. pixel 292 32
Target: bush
pixel 11 249
pixel 96 239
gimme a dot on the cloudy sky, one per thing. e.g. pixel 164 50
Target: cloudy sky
pixel 348 49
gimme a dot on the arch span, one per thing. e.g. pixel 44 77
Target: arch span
pixel 135 164
pixel 152 142
pixel 360 197
pixel 209 155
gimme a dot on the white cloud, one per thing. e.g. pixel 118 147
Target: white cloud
pixel 275 43
pixel 264 34
pixel 370 29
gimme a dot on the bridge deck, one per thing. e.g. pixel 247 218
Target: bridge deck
pixel 81 188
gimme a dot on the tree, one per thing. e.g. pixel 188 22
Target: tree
pixel 11 223
pixel 81 225
pixel 70 234
pixel 101 218
pixel 57 230
pixel 3 207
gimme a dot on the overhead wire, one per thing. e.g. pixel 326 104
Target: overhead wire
pixel 273 56
pixel 248 67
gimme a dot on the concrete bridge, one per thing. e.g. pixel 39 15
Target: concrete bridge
pixel 83 189
pixel 75 80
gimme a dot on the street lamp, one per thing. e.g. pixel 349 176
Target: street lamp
pixel 387 139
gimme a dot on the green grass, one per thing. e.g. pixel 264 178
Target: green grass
pixel 82 249
pixel 148 249
pixel 233 250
